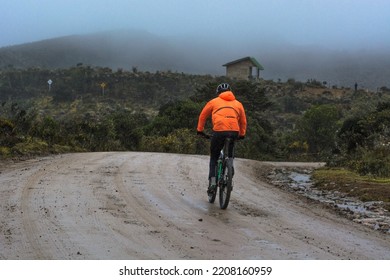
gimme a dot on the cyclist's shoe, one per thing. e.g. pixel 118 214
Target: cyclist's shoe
pixel 212 186
pixel 211 189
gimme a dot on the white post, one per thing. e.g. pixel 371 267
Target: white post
pixel 49 83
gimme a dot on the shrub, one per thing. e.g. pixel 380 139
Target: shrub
pixel 375 162
pixel 31 147
pixel 182 141
pixel 5 152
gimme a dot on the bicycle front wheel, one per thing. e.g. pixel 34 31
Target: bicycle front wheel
pixel 226 186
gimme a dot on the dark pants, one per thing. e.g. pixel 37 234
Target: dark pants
pixel 217 143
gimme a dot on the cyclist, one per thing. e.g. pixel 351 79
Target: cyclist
pixel 228 120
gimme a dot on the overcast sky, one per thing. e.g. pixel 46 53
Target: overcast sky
pixel 335 24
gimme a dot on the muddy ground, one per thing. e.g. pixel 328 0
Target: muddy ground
pixel 154 206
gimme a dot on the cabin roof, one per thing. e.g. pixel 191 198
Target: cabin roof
pixel 251 59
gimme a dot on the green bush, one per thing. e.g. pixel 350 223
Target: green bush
pixel 318 127
pixel 375 162
pixel 5 152
pixel 183 141
pixel 32 146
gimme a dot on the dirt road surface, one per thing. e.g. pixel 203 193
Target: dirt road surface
pixel 154 206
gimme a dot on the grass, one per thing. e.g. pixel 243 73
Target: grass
pixel 345 181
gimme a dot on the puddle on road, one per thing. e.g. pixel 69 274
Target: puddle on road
pixel 300 181
pixel 368 213
pixel 303 182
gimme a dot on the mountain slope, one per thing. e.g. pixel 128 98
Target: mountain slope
pixel 109 49
pixel 148 52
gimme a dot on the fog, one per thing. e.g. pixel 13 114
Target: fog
pixel 337 24
pixel 326 40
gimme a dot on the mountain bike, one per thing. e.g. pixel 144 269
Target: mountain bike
pixel 224 176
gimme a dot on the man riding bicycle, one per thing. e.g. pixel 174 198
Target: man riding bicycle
pixel 228 120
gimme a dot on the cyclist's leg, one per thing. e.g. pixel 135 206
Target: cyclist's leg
pixel 217 142
pixel 234 136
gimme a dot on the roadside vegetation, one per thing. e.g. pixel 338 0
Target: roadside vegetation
pixel 350 183
pixel 98 109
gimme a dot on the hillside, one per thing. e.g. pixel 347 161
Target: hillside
pixel 110 49
pixel 158 112
pixel 147 52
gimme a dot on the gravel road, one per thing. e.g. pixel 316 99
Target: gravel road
pixel 124 205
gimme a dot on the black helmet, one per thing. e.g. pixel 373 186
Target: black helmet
pixel 223 87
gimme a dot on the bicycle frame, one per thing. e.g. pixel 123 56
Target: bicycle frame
pixel 224 178
pixel 224 155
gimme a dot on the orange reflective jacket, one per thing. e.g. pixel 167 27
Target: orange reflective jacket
pixel 227 114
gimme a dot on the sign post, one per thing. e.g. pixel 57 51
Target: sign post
pixel 103 85
pixel 49 83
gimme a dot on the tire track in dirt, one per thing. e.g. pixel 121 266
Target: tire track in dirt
pixel 36 217
pixel 44 201
pixel 92 209
pixel 146 190
pixel 124 226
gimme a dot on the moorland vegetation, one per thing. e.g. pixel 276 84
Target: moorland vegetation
pixel 99 109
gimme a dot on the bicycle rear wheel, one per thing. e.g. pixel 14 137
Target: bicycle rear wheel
pixel 226 184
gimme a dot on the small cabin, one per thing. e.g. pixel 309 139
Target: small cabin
pixel 247 68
